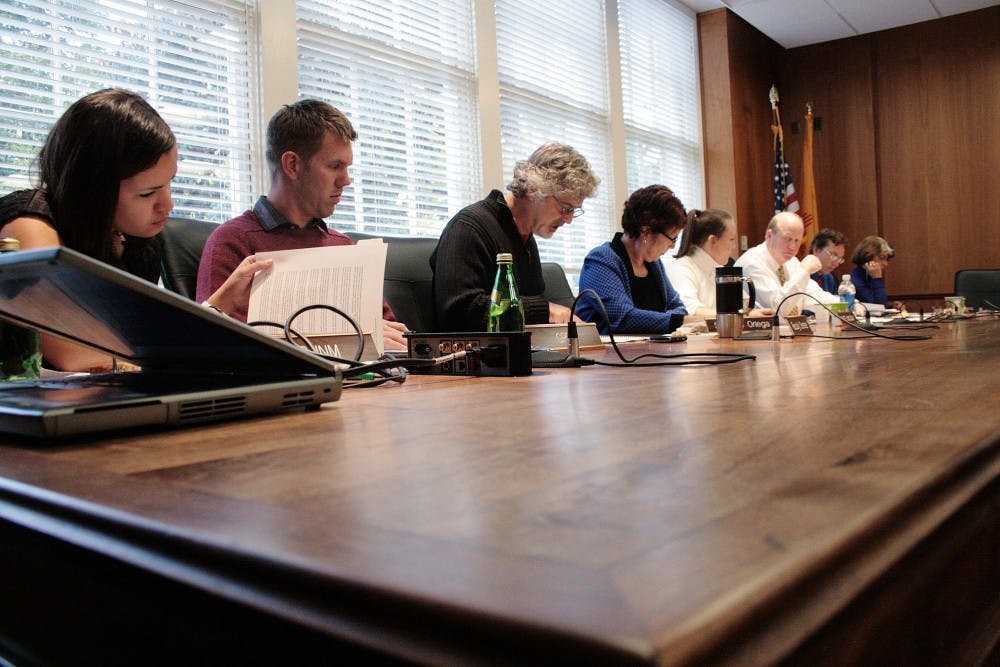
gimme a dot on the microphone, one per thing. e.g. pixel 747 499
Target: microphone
pixel 572 338
pixel 868 318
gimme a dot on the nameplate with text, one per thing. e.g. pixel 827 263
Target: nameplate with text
pixel 757 323
pixel 847 319
pixel 799 325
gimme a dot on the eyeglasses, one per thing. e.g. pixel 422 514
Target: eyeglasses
pixel 837 258
pixel 673 239
pixel 788 240
pixel 566 209
pixel 885 258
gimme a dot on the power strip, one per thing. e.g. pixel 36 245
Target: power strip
pixel 488 354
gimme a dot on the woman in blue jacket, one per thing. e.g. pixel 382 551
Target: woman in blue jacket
pixel 871 258
pixel 626 272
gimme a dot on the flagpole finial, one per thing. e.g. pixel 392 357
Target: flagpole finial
pixel 773 96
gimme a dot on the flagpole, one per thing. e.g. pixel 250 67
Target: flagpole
pixel 808 208
pixel 784 192
pixel 775 115
pixel 777 141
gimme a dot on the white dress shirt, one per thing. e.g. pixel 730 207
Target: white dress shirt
pixel 759 266
pixel 693 276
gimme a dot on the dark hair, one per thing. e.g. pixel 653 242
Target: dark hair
pixel 102 139
pixel 869 248
pixel 827 237
pixel 654 207
pixel 700 225
pixel 301 128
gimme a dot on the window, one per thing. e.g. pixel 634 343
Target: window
pixel 660 98
pixel 190 60
pixel 404 74
pixel 553 69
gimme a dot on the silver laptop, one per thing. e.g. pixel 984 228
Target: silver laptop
pixel 197 365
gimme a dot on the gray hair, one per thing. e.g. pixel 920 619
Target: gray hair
pixel 553 169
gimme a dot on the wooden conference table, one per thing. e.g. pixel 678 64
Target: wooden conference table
pixel 830 502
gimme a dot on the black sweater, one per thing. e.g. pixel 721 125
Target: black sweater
pixel 465 265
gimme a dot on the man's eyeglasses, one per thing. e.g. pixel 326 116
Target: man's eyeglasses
pixel 837 258
pixel 788 240
pixel 566 209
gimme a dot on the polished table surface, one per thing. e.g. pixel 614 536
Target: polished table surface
pixel 736 513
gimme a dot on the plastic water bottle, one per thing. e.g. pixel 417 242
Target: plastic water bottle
pixel 847 292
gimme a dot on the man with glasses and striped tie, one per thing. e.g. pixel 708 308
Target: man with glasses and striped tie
pixel 776 272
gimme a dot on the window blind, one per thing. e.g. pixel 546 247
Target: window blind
pixel 553 69
pixel 405 75
pixel 661 97
pixel 190 60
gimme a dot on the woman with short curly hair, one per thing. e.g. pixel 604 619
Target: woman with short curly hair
pixel 626 272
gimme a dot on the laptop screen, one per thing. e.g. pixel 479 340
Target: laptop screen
pixel 63 292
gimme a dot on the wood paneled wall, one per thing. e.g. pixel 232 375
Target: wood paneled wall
pixel 738 66
pixel 910 141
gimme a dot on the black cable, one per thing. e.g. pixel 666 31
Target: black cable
pixel 338 311
pixel 355 367
pixel 264 323
pixel 871 333
pixel 306 343
pixel 384 366
pixel 689 358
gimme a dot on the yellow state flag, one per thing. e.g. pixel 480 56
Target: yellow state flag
pixel 807 193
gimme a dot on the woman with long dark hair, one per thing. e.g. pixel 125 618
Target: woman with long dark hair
pixel 104 190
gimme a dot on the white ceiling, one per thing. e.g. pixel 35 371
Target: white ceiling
pixel 794 23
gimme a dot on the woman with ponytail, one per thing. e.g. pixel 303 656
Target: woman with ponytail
pixel 708 241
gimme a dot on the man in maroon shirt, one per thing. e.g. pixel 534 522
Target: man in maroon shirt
pixel 308 154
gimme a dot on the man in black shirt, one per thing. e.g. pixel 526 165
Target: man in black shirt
pixel 547 191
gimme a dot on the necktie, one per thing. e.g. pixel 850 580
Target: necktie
pixel 782 276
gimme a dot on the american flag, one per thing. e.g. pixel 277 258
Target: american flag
pixel 784 191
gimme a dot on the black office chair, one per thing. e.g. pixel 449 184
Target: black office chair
pixel 557 289
pixel 183 240
pixel 408 279
pixel 978 285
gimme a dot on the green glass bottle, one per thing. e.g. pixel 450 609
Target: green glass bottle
pixel 505 303
pixel 20 355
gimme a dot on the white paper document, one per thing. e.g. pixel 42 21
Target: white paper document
pixel 348 278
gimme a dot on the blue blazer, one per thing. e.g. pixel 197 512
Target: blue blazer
pixel 604 272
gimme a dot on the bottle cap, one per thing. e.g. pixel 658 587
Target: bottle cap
pixel 505 258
